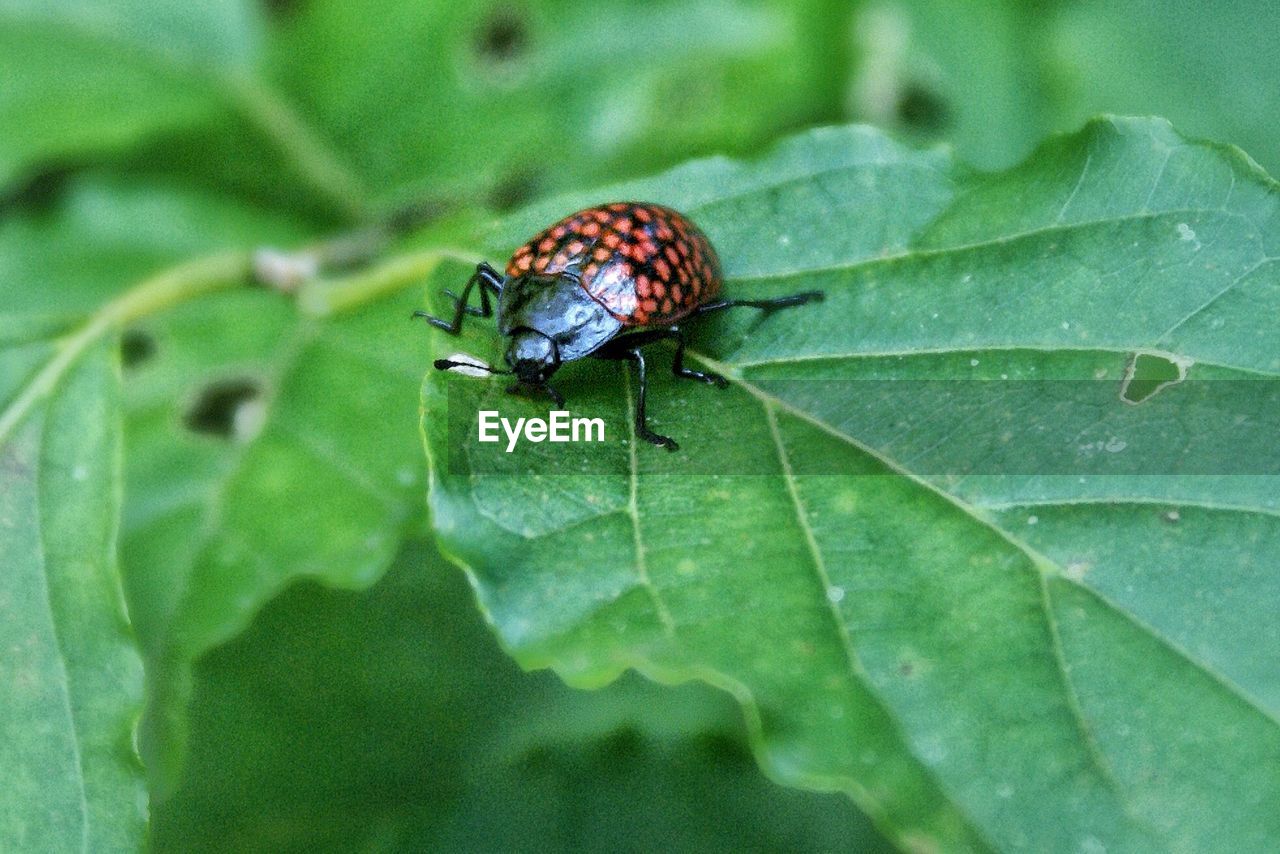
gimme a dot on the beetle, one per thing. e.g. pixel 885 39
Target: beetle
pixel 605 282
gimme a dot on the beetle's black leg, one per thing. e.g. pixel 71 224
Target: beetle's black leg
pixel 678 368
pixel 642 425
pixel 471 310
pixel 766 304
pixel 488 279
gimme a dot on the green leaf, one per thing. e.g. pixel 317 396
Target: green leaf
pixel 397 96
pixel 85 76
pixel 72 676
pixel 263 445
pixel 389 719
pixel 102 234
pixel 994 77
pixel 478 100
pixel 971 611
pixel 266 446
pixel 1151 57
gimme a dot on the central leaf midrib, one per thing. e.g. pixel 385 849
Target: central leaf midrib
pixel 910 254
pixel 857 672
pixel 806 358
pixel 39 428
pixel 633 512
pixel 1040 562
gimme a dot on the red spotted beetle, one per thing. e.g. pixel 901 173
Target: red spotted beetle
pixel 603 282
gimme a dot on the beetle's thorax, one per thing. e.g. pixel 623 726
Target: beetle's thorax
pixel 547 316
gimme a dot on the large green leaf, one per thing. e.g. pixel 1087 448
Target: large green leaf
pixel 262 444
pixel 83 76
pixel 994 76
pixel 481 100
pixel 927 538
pixel 390 720
pixel 1170 60
pixel 72 676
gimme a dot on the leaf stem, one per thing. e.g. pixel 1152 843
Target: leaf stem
pixel 172 286
pixel 321 298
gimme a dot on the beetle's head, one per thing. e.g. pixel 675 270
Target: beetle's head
pixel 532 356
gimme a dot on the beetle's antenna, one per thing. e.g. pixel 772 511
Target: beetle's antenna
pixel 461 363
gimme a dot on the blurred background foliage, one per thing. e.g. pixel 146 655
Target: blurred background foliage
pixel 139 133
pixel 337 109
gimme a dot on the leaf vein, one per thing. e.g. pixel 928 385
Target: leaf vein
pixel 633 511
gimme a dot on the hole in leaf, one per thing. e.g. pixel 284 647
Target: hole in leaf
pixel 1147 374
pixel 136 347
pixel 922 109
pixel 504 37
pixel 514 190
pixel 228 409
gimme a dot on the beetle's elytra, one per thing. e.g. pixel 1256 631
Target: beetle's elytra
pixel 604 282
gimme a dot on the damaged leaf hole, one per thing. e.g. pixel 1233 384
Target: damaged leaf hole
pixel 1149 373
pixel 136 348
pixel 231 409
pixel 922 109
pixel 503 38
